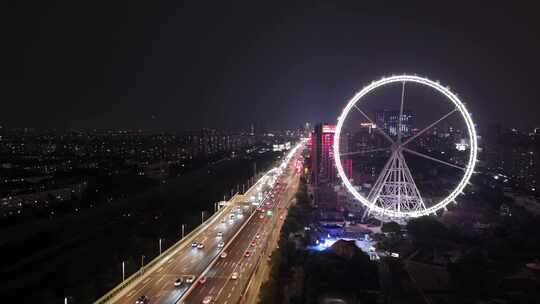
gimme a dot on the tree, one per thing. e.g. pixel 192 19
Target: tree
pixel 391 227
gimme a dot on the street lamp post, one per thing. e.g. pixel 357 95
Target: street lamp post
pixel 65 300
pixel 183 229
pixel 142 261
pixel 202 217
pixel 159 246
pixel 123 271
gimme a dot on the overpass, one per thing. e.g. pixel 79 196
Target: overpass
pixel 234 220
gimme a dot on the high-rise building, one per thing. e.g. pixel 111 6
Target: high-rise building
pixel 388 120
pixel 322 152
pixel 323 168
pixel 307 129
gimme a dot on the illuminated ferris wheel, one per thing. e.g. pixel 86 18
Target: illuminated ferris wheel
pixel 394 192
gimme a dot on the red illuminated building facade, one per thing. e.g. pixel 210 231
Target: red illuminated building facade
pixel 323 168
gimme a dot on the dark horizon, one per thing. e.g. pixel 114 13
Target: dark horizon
pixel 172 66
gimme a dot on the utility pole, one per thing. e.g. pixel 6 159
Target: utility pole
pixel 123 271
pixel 183 227
pixel 159 246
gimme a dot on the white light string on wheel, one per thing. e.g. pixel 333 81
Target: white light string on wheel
pixel 460 107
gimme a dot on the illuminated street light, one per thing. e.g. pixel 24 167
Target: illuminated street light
pixel 183 229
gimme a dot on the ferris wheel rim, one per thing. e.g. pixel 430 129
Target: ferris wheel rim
pixel 469 169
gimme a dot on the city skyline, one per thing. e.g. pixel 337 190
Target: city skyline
pixel 270 152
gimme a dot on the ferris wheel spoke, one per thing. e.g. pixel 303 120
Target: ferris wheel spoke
pixel 363 151
pixel 429 127
pixel 433 158
pixel 400 118
pixel 378 129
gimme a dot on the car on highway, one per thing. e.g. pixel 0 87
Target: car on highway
pixel 207 300
pixel 261 216
pixel 234 275
pixel 253 243
pixel 223 255
pixel 200 246
pixel 202 280
pixel 178 282
pixel 190 279
pixel 257 236
pixel 142 300
pixel 221 244
pixel 219 234
pixel 194 244
pixel 247 254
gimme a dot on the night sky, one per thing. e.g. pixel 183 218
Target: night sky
pixel 174 66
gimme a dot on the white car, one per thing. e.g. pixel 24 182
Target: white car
pixel 190 279
pixel 178 282
pixel 234 275
pixel 207 300
pixel 220 234
pixel 221 244
pixel 200 245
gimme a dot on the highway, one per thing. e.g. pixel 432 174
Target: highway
pixel 220 286
pixel 157 284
